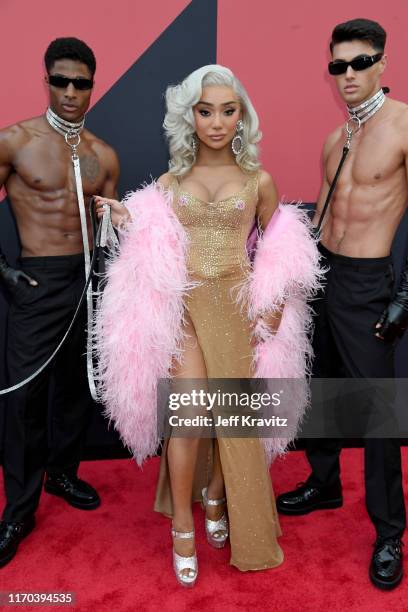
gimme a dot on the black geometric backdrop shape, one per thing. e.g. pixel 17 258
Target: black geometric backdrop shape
pixel 129 117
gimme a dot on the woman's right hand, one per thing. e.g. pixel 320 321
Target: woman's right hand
pixel 119 213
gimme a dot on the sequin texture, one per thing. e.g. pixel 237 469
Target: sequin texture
pixel 217 258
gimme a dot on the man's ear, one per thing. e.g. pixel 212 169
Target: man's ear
pixel 383 63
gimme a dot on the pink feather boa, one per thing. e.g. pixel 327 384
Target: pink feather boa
pixel 138 329
pixel 138 323
pixel 286 271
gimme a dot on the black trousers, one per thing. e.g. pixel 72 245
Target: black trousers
pixel 38 318
pixel 357 291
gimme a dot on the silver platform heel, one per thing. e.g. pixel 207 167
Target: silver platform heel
pixel 216 531
pixel 181 563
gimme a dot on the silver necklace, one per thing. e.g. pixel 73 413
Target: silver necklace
pixel 362 113
pixel 64 127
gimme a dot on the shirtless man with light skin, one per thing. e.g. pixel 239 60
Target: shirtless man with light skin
pixel 372 192
pixel 358 314
pixel 44 289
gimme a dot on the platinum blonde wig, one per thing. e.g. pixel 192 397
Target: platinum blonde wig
pixel 179 124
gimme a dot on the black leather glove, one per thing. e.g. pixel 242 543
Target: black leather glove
pixel 10 277
pixel 394 320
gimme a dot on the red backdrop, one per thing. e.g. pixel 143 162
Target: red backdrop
pixel 279 50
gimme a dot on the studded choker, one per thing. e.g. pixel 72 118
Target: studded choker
pixel 362 113
pixel 64 127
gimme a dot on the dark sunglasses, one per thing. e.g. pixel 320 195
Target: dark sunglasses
pixel 62 82
pixel 358 63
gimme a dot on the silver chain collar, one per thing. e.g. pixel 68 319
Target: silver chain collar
pixel 362 113
pixel 65 128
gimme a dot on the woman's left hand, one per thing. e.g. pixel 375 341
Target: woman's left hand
pixel 119 213
pixel 272 321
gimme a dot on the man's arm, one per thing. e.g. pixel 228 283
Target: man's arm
pixel 111 162
pixel 394 320
pixel 6 155
pixel 328 145
pixel 109 192
pixel 9 139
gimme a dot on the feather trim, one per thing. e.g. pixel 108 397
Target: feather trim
pixel 286 271
pixel 138 327
pixel 138 324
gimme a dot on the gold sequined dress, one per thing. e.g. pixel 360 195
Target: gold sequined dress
pixel 217 258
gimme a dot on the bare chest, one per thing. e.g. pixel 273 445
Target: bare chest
pixel 374 158
pixel 45 165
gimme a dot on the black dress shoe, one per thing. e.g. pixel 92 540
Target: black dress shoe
pixel 76 492
pixel 386 569
pixel 11 534
pixel 305 499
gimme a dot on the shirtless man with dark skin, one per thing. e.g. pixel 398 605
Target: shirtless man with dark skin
pixel 358 314
pixel 37 172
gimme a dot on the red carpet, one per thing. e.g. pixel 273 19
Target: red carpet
pixel 117 558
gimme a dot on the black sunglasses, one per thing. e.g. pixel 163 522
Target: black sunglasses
pixel 358 63
pixel 62 82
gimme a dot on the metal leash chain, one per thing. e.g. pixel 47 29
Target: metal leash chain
pixel 72 139
pixel 350 132
pixel 107 233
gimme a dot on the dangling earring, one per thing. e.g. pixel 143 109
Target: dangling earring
pixel 237 143
pixel 194 145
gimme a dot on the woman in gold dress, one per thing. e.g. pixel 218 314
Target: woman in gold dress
pixel 217 193
pixel 217 190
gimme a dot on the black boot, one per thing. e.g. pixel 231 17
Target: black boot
pixel 11 534
pixel 76 492
pixel 306 498
pixel 386 569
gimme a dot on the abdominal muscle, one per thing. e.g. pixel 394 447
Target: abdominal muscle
pixel 46 242
pixel 361 226
pixel 48 225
